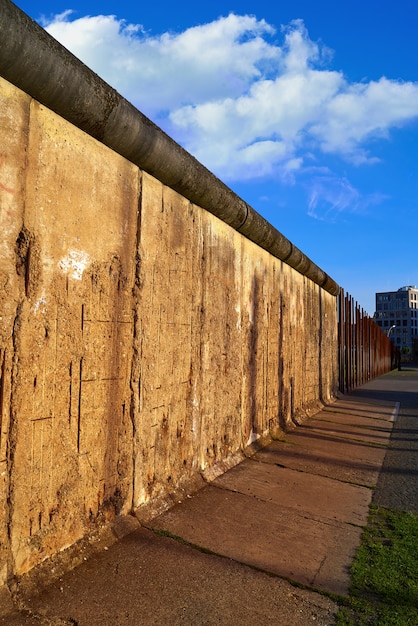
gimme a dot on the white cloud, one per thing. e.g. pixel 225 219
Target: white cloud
pixel 330 195
pixel 363 112
pixel 245 105
pixel 161 73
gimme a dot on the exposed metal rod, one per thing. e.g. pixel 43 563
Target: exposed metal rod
pixel 36 63
pixel 364 349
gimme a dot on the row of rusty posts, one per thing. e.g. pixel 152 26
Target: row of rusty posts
pixel 364 350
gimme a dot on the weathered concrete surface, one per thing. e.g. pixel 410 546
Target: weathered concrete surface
pixel 152 581
pixel 317 495
pixel 256 531
pixel 397 487
pixel 278 511
pixel 290 523
pixel 69 228
pixel 347 441
pixel 219 328
pixel 143 340
pixel 66 298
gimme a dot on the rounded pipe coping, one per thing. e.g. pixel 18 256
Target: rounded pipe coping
pixel 36 63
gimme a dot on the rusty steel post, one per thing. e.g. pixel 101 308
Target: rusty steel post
pixel 364 350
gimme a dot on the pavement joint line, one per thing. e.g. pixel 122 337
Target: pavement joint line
pixel 338 480
pixel 166 533
pixel 327 521
pixel 387 429
pixel 286 441
pixel 362 442
pixel 336 435
pixel 353 413
pixel 303 471
pixel 356 409
pixel 331 421
pixel 321 565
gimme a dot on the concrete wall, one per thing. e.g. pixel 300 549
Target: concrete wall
pixel 142 339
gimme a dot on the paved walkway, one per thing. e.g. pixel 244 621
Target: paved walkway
pixel 397 487
pixel 231 553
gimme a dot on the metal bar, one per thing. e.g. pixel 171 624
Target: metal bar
pixel 364 350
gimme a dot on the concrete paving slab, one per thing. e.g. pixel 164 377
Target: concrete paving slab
pixel 370 430
pixel 369 409
pixel 314 551
pixel 149 580
pixel 325 446
pixel 372 421
pixel 379 435
pixel 327 461
pixel 359 409
pixel 318 440
pixel 307 494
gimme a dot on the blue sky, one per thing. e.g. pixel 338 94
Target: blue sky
pixel 307 110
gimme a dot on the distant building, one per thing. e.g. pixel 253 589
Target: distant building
pixel 397 315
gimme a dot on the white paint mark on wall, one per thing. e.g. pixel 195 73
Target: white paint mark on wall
pixel 74 263
pixel 253 437
pixel 38 304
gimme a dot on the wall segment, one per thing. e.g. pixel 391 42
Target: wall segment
pixel 143 339
pixel 40 66
pixel 71 228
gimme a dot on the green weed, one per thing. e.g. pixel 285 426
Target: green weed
pixel 384 575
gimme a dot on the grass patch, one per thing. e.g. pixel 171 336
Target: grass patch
pixel 384 575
